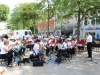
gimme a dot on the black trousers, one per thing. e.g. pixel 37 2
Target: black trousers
pixel 23 50
pixel 89 49
pixel 8 56
pixel 80 48
pixel 29 46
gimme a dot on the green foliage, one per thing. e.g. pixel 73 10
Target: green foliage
pixel 25 16
pixel 78 8
pixel 4 12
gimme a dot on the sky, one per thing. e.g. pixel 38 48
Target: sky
pixel 12 3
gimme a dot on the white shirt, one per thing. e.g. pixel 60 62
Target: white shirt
pixel 64 45
pixel 32 41
pixel 35 48
pixel 1 44
pixel 2 50
pixel 49 41
pixel 59 46
pixel 16 46
pixel 45 43
pixel 16 36
pixel 41 43
pixel 89 38
pixel 12 43
pixel 69 44
pixel 70 37
pixel 17 41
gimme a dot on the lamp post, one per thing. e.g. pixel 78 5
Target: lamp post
pixel 48 17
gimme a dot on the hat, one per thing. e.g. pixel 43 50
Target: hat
pixel 68 39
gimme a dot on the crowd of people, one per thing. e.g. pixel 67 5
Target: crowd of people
pixel 42 45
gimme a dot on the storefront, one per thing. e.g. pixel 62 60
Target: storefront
pixel 94 30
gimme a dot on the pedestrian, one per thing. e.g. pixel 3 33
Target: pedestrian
pixel 89 40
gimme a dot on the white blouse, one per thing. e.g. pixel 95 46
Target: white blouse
pixel 2 50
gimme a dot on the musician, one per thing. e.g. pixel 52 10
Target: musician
pixel 59 44
pixel 73 46
pixel 89 40
pixel 5 49
pixel 69 45
pixel 28 43
pixel 64 45
pixel 39 50
pixel 80 45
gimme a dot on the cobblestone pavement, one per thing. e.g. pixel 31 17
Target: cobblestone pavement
pixel 78 66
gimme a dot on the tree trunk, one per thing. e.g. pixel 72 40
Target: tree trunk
pixel 17 27
pixel 78 27
pixel 34 25
pixel 48 32
pixel 23 24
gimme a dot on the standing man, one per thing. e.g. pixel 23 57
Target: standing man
pixel 89 40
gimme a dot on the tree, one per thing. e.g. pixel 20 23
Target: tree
pixel 4 12
pixel 25 16
pixel 79 8
pixel 48 11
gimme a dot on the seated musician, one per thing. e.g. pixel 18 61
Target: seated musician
pixel 32 43
pixel 5 52
pixel 73 46
pixel 80 45
pixel 38 49
pixel 68 47
pixel 59 44
pixel 74 42
pixel 52 43
pixel 64 45
pixel 65 48
pixel 60 47
pixel 28 43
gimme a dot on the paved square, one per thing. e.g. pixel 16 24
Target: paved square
pixel 78 66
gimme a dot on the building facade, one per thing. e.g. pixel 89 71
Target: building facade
pixel 43 27
pixel 91 25
pixel 69 26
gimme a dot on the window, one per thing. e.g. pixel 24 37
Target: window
pixel 93 22
pixel 85 21
pixel 26 32
pixel 30 33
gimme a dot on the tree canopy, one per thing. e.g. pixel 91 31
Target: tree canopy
pixel 24 16
pixel 4 12
pixel 78 8
pixel 27 15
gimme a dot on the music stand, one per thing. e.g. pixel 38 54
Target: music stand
pixel 91 60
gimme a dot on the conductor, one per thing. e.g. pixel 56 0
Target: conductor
pixel 89 40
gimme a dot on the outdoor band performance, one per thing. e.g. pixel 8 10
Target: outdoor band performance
pixel 49 37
